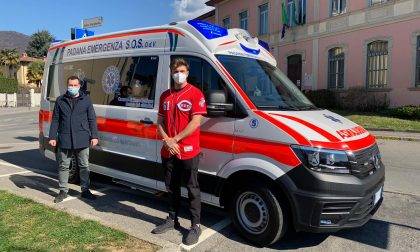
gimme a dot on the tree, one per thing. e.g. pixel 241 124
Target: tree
pixel 35 72
pixel 39 44
pixel 9 57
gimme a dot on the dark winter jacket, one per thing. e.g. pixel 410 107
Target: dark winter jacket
pixel 73 128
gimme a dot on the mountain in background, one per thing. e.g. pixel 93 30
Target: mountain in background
pixel 11 40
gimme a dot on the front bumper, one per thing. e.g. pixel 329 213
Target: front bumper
pixel 330 202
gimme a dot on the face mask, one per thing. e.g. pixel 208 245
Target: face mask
pixel 73 90
pixel 179 77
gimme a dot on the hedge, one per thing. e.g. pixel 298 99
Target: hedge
pixel 8 85
pixel 405 112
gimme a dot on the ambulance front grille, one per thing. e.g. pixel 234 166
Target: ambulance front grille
pixel 362 162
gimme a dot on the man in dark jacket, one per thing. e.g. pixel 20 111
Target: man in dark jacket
pixel 73 129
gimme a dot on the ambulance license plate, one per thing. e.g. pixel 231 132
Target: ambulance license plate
pixel 377 196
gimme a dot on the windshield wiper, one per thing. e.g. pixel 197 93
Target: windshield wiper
pixel 309 107
pixel 277 107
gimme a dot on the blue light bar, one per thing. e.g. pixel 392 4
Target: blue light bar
pixel 264 44
pixel 210 31
pixel 249 50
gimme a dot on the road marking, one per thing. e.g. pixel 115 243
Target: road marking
pixel 16 173
pixel 207 233
pixel 12 165
pixel 93 192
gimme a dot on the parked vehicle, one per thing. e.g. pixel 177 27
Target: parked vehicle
pixel 268 154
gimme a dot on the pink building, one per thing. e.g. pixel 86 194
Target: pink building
pixel 336 44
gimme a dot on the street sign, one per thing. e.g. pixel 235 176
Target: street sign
pixel 77 33
pixel 92 22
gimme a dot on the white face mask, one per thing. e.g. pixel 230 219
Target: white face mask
pixel 179 77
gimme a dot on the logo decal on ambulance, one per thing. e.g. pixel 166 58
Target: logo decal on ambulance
pixel 184 105
pixel 253 123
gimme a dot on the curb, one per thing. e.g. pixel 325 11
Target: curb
pixel 392 130
pixel 411 139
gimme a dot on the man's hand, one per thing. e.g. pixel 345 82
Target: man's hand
pixel 171 145
pixel 52 143
pixel 93 142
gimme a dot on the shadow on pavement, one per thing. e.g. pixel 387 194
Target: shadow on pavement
pixel 27 138
pixel 29 158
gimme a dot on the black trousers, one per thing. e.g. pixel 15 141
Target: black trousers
pixel 175 170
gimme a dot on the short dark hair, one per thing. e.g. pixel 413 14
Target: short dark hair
pixel 125 89
pixel 179 62
pixel 73 78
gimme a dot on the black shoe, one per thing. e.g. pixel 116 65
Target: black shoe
pixel 193 235
pixel 166 226
pixel 88 195
pixel 60 197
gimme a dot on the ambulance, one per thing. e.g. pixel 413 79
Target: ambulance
pixel 268 155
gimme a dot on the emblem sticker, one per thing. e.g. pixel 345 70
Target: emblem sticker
pixel 184 105
pixel 253 123
pixel 111 79
pixel 202 102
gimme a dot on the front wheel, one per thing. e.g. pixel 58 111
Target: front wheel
pixel 74 177
pixel 258 214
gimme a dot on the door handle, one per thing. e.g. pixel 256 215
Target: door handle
pixel 148 122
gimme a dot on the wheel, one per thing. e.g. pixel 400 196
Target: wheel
pixel 258 214
pixel 74 176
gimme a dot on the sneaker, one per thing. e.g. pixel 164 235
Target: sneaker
pixel 166 226
pixel 193 235
pixel 60 197
pixel 88 195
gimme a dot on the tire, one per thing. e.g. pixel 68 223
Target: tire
pixel 258 214
pixel 74 177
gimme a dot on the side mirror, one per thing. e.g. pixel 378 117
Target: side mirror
pixel 217 103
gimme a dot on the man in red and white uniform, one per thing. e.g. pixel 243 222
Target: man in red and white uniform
pixel 180 111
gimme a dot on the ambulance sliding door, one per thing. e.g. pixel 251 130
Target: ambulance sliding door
pixel 123 90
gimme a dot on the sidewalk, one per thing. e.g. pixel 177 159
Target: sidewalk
pixel 4 111
pixel 395 135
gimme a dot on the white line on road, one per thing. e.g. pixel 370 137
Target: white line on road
pixel 16 173
pixel 93 192
pixel 207 233
pixel 11 165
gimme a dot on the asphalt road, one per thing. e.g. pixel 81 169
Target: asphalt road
pixel 395 227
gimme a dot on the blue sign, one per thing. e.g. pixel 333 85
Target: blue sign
pixel 210 31
pixel 82 33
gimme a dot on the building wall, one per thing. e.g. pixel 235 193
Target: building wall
pixel 397 21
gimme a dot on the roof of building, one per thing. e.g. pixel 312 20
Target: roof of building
pixel 25 58
pixel 207 15
pixel 213 2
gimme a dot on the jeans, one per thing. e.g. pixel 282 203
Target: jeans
pixel 175 169
pixel 64 158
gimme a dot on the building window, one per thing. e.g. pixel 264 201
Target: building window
pixel 226 23
pixel 377 2
pixel 418 62
pixel 338 7
pixel 336 68
pixel 243 20
pixel 296 12
pixel 377 64
pixel 263 19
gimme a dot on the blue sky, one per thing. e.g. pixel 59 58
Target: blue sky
pixel 29 16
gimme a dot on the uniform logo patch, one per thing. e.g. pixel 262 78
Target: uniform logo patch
pixel 202 102
pixel 188 148
pixel 184 105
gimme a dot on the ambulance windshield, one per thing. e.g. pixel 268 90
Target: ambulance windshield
pixel 266 86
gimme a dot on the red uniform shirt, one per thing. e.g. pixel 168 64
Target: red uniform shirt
pixel 177 109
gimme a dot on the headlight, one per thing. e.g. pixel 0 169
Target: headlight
pixel 323 160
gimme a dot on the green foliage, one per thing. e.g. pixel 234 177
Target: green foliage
pixel 405 112
pixel 35 72
pixel 322 98
pixel 8 85
pixel 8 58
pixel 39 44
pixel 362 100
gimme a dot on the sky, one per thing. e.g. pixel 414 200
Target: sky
pixel 58 16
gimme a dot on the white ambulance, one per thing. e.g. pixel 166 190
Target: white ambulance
pixel 267 153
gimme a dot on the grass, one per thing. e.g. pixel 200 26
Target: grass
pixel 29 226
pixel 378 121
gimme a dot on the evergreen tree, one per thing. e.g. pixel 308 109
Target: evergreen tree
pixel 39 44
